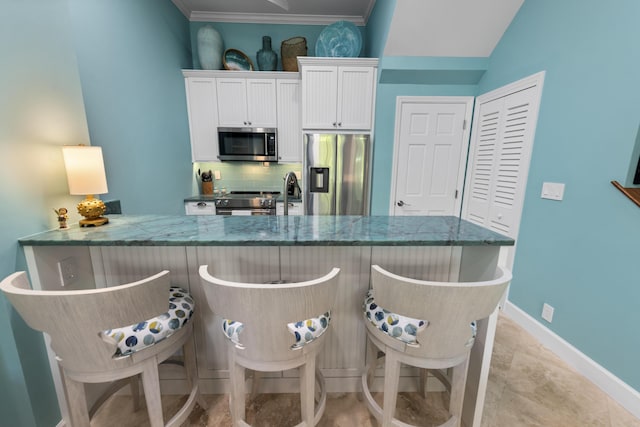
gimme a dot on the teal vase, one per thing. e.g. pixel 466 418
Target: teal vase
pixel 210 47
pixel 267 58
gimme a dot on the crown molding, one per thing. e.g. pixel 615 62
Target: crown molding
pixel 269 18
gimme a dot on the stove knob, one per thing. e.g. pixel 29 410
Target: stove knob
pixel 218 202
pixel 225 202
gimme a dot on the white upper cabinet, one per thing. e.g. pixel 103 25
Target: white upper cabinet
pixel 203 118
pixel 338 93
pixel 243 99
pixel 289 131
pixel 246 102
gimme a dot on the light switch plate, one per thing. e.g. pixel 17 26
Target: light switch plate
pixel 547 312
pixel 552 190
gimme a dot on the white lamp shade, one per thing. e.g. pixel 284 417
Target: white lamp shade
pixel 85 169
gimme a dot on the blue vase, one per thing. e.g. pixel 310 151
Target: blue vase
pixel 267 58
pixel 210 48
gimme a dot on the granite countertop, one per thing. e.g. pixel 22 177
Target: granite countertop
pixel 264 230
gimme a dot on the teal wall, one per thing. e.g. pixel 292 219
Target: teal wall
pixel 378 26
pixel 41 109
pixel 580 254
pixel 130 56
pixel 126 59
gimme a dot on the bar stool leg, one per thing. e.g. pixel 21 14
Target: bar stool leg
pixel 236 377
pixel 391 380
pixel 307 387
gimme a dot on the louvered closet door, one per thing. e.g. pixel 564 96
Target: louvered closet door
pixel 500 151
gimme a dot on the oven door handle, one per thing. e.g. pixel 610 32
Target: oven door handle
pixel 247 212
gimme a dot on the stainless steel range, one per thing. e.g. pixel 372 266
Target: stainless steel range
pixel 247 203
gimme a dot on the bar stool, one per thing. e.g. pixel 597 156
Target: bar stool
pixel 274 327
pixel 425 324
pixel 92 345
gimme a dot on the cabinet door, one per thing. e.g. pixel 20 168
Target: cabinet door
pixel 319 97
pixel 355 97
pixel 289 132
pixel 203 118
pixel 261 103
pixel 232 102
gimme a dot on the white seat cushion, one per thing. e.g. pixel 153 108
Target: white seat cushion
pixel 144 334
pixel 304 331
pixel 397 326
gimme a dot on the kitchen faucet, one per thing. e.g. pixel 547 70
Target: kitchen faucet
pixel 290 178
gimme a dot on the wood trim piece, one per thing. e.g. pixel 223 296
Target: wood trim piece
pixel 632 193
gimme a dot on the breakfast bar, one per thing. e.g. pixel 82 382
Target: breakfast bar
pixel 272 249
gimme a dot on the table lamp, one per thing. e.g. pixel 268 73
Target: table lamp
pixel 86 176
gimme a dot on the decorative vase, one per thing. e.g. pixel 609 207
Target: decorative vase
pixel 267 58
pixel 290 50
pixel 210 48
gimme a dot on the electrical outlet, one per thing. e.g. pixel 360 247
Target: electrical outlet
pixel 547 312
pixel 68 271
pixel 216 174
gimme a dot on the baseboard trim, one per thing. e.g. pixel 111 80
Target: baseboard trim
pixel 617 389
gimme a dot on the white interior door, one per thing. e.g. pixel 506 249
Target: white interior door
pixel 430 152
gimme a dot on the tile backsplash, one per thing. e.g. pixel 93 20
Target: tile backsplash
pixel 245 176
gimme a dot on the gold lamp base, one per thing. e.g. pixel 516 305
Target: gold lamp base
pixel 92 209
pixel 93 222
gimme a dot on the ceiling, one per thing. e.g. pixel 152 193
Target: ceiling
pixel 429 28
pixel 309 12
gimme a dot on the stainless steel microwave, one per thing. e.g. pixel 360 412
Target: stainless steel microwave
pixel 248 144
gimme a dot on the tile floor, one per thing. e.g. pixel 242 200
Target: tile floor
pixel 528 386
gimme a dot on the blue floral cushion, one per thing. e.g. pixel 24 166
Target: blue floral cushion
pixel 304 331
pixel 397 326
pixel 144 334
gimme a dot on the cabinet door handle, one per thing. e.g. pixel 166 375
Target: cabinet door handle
pixel 334 124
pixel 339 124
pixel 201 205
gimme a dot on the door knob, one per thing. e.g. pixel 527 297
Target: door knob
pixel 401 203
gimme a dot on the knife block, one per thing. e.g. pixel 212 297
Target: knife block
pixel 207 187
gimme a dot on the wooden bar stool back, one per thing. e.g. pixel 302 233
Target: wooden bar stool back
pixel 91 340
pixel 425 324
pixel 274 327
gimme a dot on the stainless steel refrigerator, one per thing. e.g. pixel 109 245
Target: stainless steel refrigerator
pixel 336 168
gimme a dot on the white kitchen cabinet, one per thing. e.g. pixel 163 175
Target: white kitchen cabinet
pixel 246 102
pixel 295 208
pixel 338 93
pixel 289 130
pixel 202 110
